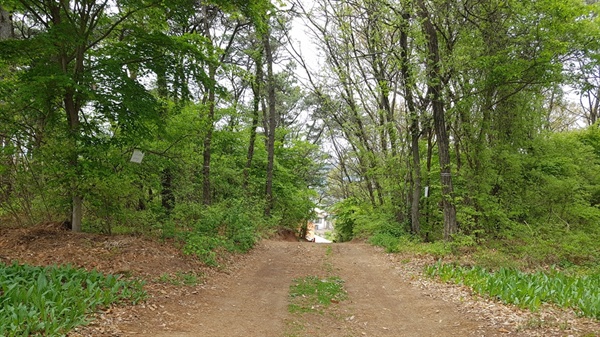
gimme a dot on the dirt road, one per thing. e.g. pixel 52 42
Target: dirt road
pixel 388 295
pixel 252 301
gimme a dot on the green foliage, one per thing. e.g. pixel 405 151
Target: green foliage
pixel 180 278
pixel 532 247
pixel 540 195
pixel 356 219
pixel 313 294
pixel 580 293
pixel 52 300
pixel 389 242
pixel 345 218
pixel 131 73
pixel 234 227
pixel 412 245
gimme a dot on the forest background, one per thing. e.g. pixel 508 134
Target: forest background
pixel 444 122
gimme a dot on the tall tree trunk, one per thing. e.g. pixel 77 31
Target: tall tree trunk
pixel 6 32
pixel 206 152
pixel 166 177
pixel 416 178
pixel 166 193
pixel 256 91
pixel 434 87
pixel 594 106
pixel 210 101
pixel 430 145
pixel 415 132
pixel 271 124
pixel 72 104
pixel 76 196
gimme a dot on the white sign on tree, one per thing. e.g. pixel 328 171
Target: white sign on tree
pixel 137 156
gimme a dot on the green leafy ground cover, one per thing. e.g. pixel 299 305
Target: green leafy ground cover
pixel 52 300
pixel 312 293
pixel 527 290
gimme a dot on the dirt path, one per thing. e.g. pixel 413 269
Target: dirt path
pixel 252 301
pixel 388 295
pixel 385 304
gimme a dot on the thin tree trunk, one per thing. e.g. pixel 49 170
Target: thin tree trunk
pixel 256 91
pixel 416 187
pixel 6 32
pixel 76 197
pixel 595 107
pixel 435 88
pixel 427 131
pixel 206 151
pixel 415 132
pixel 72 109
pixel 271 124
pixel 166 194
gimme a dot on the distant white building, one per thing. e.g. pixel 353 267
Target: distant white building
pixel 322 221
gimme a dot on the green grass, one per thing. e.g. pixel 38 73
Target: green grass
pixel 313 294
pixel 180 278
pixel 527 290
pixel 52 300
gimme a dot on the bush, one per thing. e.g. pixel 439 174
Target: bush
pixel 387 241
pixel 345 218
pixel 233 226
pixel 354 219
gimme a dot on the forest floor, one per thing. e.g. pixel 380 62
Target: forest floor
pixel 249 295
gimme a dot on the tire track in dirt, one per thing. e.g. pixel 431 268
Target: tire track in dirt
pixel 384 304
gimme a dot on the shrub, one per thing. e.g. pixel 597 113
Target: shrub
pixel 389 242
pixel 233 226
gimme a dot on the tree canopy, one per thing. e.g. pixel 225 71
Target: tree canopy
pixel 433 118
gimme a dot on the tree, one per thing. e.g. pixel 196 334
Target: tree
pixel 78 29
pixel 475 79
pixel 272 122
pixel 434 88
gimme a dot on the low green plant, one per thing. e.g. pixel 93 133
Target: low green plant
pixel 527 290
pixel 409 244
pixel 389 242
pixel 180 278
pixel 493 259
pixel 329 236
pixel 52 300
pixel 312 293
pixel 204 247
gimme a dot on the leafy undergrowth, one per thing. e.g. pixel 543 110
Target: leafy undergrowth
pixel 52 300
pixel 211 232
pixel 313 294
pixel 574 251
pixel 527 290
pixel 407 244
